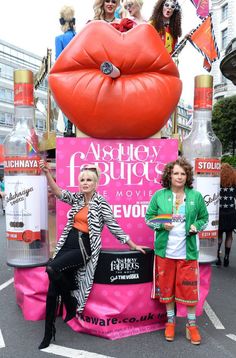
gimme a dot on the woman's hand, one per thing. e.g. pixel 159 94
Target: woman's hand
pixel 193 229
pixel 51 182
pixel 140 248
pixel 43 166
pixel 135 247
pixel 168 226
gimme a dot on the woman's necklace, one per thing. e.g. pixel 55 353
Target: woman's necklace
pixel 178 200
pixel 108 20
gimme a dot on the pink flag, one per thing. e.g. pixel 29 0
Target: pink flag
pixel 202 7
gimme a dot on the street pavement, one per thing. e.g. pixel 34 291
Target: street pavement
pixel 20 338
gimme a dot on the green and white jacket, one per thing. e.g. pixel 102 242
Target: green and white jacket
pixel 196 214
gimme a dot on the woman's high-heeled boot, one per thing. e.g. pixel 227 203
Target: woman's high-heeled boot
pixel 226 258
pixel 63 288
pixel 218 262
pixel 70 303
pixel 50 330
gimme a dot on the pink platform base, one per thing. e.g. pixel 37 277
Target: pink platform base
pixel 112 311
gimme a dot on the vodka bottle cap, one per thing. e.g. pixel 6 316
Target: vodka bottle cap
pixel 23 88
pixel 204 81
pixel 23 76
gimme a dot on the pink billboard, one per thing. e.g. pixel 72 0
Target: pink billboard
pixel 130 175
pixel 120 302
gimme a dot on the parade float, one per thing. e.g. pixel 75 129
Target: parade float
pixel 118 122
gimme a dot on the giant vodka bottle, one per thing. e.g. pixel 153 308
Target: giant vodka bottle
pixel 203 149
pixel 26 188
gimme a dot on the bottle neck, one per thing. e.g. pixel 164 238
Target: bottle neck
pixel 202 120
pixel 24 115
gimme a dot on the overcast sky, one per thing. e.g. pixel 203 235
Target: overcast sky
pixel 33 25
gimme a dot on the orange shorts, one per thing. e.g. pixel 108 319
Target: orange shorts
pixel 176 280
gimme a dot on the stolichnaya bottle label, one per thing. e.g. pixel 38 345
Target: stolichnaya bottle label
pixel 23 219
pixel 207 181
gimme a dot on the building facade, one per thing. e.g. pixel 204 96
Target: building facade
pixel 13 58
pixel 225 30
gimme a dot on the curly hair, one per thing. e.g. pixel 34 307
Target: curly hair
pixel 183 163
pixel 99 13
pixel 227 176
pixel 156 20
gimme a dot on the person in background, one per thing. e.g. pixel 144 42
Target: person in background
pixel 120 11
pixel 176 213
pixel 227 214
pixel 67 21
pixel 166 19
pixel 77 251
pixel 2 194
pixel 134 7
pixel 105 10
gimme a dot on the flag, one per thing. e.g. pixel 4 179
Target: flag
pixel 203 39
pixel 190 121
pixel 202 7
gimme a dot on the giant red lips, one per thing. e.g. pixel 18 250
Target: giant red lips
pixel 135 105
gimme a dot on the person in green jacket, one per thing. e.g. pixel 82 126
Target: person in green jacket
pixel 176 213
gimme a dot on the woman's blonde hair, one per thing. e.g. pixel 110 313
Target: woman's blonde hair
pixel 92 170
pixel 99 13
pixel 138 2
pixel 67 13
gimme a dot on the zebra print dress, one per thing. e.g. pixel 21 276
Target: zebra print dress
pixel 99 214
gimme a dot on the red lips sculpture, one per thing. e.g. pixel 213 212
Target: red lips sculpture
pixel 135 105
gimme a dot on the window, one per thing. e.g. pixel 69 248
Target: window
pixel 6 95
pixel 224 38
pixel 224 13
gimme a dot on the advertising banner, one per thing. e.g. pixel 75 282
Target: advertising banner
pixel 130 174
pixel 120 303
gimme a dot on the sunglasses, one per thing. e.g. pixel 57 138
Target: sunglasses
pixel 170 5
pixel 91 169
pixel 128 6
pixel 112 1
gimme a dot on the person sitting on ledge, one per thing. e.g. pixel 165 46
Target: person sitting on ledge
pixel 77 251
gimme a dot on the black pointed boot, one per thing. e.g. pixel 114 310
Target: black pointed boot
pixel 226 258
pixel 51 311
pixel 70 303
pixel 63 288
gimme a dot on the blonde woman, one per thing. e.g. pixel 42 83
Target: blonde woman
pixel 134 7
pixel 77 251
pixel 67 21
pixel 105 10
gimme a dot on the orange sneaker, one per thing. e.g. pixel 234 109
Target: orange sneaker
pixel 192 333
pixel 170 331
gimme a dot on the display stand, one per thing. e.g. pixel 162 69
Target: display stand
pixel 120 303
pixel 124 311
